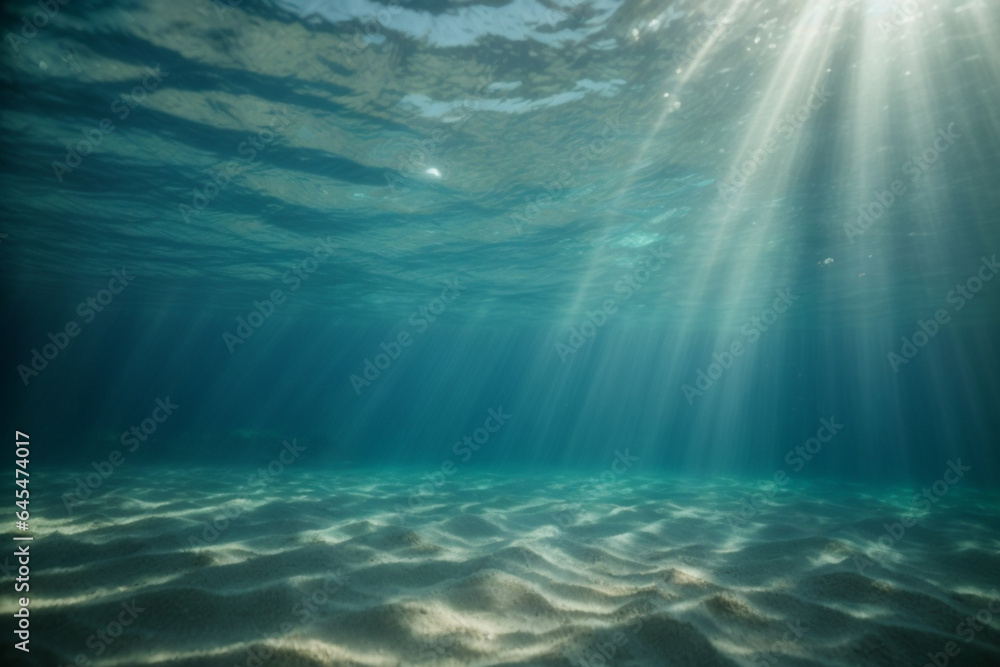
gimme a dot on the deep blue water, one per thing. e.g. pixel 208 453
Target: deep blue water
pixel 624 388
pixel 722 239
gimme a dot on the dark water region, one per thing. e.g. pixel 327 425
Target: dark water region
pixel 294 379
pixel 528 332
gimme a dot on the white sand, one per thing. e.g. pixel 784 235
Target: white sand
pixel 482 573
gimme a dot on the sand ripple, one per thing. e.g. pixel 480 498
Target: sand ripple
pixel 489 570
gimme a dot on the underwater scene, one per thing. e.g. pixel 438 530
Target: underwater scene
pixel 496 333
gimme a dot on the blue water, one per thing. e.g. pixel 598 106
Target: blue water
pixel 533 322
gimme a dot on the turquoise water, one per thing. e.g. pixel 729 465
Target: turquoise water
pixel 518 332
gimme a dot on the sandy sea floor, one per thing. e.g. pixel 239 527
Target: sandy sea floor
pixel 167 566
